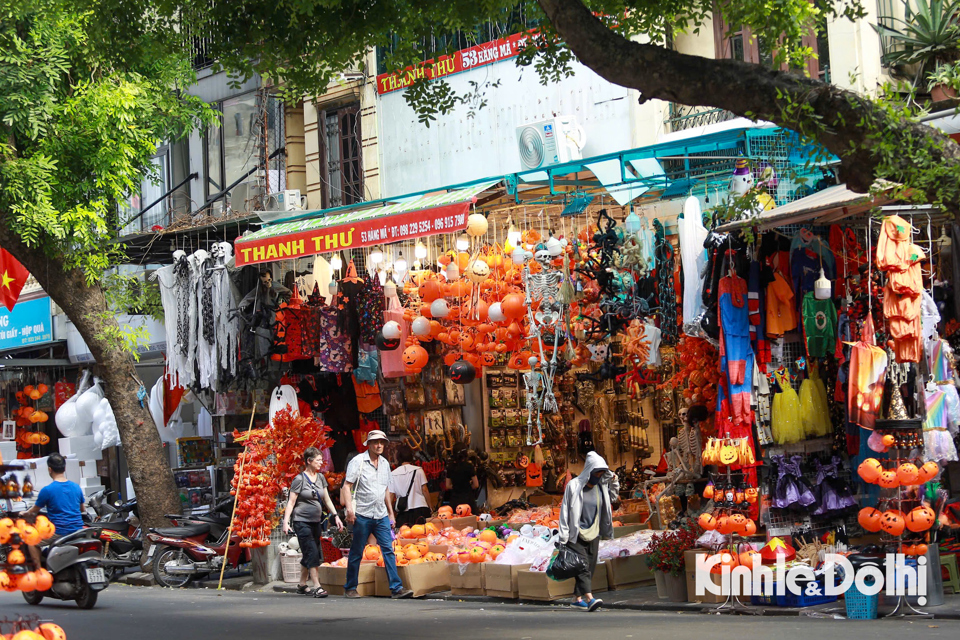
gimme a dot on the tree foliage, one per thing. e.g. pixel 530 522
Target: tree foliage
pixel 78 126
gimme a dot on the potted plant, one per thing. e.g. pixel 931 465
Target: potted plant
pixel 665 557
pixel 927 36
pixel 944 83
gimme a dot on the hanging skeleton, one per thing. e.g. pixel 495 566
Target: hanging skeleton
pixel 543 287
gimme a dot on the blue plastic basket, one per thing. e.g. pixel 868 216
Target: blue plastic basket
pixel 859 605
pixel 791 600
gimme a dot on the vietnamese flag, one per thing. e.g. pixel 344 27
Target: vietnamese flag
pixel 13 276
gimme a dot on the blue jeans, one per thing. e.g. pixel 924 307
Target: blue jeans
pixel 362 529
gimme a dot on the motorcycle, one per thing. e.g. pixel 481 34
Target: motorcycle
pixel 75 562
pixel 122 540
pixel 194 548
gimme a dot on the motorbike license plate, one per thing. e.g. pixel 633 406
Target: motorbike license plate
pixel 96 576
pixel 153 548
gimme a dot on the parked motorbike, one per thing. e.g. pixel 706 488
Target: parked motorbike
pixel 75 562
pixel 122 540
pixel 194 548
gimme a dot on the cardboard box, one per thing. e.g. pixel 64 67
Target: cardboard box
pixel 332 579
pixel 468 583
pixel 545 500
pixel 690 563
pixel 535 585
pixel 628 571
pixel 627 529
pixel 600 582
pixel 423 578
pixel 456 523
pixel 629 518
pixel 500 580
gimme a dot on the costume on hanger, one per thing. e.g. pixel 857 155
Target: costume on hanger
pixel 736 354
pixel 791 490
pixel 814 414
pixel 900 259
pixel 786 417
pixel 819 325
pixel 939 426
pixel 781 307
pixel 868 365
pixel 693 257
pixel 757 304
pixel 832 492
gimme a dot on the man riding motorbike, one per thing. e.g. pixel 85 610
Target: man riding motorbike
pixel 63 500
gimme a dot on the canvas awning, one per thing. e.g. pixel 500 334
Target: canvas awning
pixel 365 225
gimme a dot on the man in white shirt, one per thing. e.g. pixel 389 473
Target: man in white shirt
pixel 366 498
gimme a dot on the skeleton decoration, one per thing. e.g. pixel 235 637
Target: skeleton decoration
pixel 543 287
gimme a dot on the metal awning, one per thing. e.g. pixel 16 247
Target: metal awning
pixel 821 208
pixel 364 225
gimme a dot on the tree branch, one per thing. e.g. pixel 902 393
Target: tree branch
pixel 860 132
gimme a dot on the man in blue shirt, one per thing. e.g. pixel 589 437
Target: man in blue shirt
pixel 63 499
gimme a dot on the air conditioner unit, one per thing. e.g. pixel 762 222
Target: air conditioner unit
pixel 288 200
pixel 549 142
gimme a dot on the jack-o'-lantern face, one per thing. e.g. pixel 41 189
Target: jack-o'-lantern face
pixel 892 522
pixel 920 519
pixel 464 511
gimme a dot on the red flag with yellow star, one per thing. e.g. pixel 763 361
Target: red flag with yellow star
pixel 13 276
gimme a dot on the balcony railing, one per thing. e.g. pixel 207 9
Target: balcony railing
pixel 682 117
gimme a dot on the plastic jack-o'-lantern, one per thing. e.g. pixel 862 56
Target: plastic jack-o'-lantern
pixel 464 511
pixel 920 519
pixel 749 528
pixel 371 552
pixel 49 630
pixel 752 494
pixel 415 357
pixel 724 559
pixel 869 519
pixel 892 522
pixel 889 480
pixel 747 558
pixel 708 491
pixel 737 521
pixel 514 306
pixel 908 474
pixel 928 471
pixel 870 470
pixel 445 512
pixel 462 372
pixel 387 344
pixel 707 521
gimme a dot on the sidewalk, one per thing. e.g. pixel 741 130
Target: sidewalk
pixel 645 599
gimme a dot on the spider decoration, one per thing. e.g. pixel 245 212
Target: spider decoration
pixel 607 371
pixel 543 287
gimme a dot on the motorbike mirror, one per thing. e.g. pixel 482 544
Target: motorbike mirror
pixel 117 504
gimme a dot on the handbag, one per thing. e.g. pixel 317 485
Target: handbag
pixel 402 500
pixel 566 564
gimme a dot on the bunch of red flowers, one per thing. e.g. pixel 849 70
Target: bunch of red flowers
pixel 667 549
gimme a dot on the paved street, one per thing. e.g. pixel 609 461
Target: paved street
pixel 197 614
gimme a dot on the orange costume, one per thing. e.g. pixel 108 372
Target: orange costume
pixel 781 307
pixel 900 258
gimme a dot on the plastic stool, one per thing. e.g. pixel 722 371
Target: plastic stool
pixel 949 562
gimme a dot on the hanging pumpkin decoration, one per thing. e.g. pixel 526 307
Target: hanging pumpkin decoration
pixel 708 491
pixel 514 306
pixel 928 471
pixel 478 271
pixel 723 559
pixel 892 522
pixel 477 225
pixel 908 474
pixel 889 480
pixel 869 519
pixel 870 470
pixel 464 511
pixel 707 521
pixel 462 372
pixel 920 519
pixel 415 358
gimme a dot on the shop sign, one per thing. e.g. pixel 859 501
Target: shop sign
pixel 463 60
pixel 365 232
pixel 30 322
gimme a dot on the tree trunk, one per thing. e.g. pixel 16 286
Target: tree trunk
pixel 86 306
pixel 862 134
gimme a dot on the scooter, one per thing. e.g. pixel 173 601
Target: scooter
pixel 122 541
pixel 194 549
pixel 75 562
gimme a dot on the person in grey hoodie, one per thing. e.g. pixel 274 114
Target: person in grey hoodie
pixel 586 515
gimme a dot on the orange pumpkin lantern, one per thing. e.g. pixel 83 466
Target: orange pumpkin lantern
pixel 892 522
pixel 417 531
pixel 52 631
pixel 725 525
pixel 708 491
pixel 747 557
pixel 464 510
pixel 888 440
pixel 488 535
pixel 16 557
pixel 870 470
pixel 737 521
pixel 889 480
pixel 928 471
pixel 723 559
pixel 371 552
pixel 749 528
pixel 920 519
pixel 752 495
pixel 707 521
pixel 30 535
pixel 27 581
pixel 513 306
pixel 44 580
pixel 415 358
pixel 446 511
pixel 908 474
pixel 869 519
